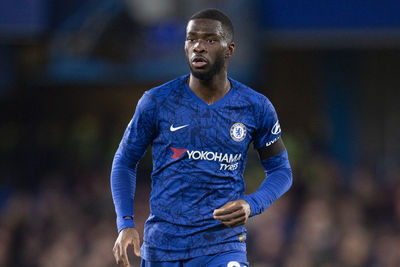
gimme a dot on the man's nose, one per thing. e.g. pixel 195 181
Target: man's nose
pixel 199 47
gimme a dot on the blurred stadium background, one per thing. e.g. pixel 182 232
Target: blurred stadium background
pixel 72 71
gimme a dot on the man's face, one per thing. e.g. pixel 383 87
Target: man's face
pixel 205 47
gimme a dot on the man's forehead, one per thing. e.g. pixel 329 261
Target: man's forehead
pixel 204 26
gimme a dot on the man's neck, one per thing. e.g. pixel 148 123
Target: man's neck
pixel 210 91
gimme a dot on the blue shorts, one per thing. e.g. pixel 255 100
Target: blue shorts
pixel 224 259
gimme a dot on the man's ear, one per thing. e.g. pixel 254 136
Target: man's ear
pixel 230 50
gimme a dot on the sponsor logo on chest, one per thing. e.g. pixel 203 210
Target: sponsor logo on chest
pixel 227 161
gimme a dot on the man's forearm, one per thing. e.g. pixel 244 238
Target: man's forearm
pixel 277 181
pixel 123 184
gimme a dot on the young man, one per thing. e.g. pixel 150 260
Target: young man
pixel 200 126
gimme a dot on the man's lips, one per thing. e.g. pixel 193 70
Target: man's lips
pixel 199 62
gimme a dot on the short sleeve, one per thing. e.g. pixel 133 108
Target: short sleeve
pixel 268 129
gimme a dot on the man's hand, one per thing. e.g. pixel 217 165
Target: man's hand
pixel 233 213
pixel 127 237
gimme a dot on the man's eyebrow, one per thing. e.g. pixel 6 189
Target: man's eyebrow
pixel 200 33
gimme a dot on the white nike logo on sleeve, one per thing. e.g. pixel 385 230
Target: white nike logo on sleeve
pixel 173 129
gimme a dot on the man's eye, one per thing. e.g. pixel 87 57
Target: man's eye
pixel 190 39
pixel 211 41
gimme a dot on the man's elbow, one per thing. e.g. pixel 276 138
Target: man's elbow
pixel 289 175
pixel 285 172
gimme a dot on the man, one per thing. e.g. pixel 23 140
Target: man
pixel 200 126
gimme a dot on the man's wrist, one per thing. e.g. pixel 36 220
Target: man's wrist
pixel 123 222
pixel 249 200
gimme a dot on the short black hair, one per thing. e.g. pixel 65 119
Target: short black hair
pixel 215 14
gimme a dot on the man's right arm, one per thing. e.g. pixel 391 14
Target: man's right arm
pixel 123 185
pixel 138 135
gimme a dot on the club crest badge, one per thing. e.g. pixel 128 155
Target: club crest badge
pixel 238 132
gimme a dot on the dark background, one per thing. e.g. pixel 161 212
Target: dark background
pixel 71 73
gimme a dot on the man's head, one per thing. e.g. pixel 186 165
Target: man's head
pixel 215 14
pixel 209 43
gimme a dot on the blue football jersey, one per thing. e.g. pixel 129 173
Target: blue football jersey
pixel 199 154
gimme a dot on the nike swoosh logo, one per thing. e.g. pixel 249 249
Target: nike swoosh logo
pixel 173 129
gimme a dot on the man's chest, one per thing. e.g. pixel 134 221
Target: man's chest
pixel 229 128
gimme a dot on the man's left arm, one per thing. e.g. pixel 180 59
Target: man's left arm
pixel 277 181
pixel 278 174
pixel 278 177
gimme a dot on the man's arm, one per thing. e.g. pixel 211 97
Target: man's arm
pixel 138 135
pixel 274 158
pixel 123 185
pixel 277 181
pixel 278 177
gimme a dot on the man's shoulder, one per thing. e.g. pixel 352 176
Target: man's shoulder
pixel 250 94
pixel 164 90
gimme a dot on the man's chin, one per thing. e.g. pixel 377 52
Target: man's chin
pixel 202 75
pixel 209 71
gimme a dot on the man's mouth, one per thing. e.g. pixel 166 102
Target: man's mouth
pixel 199 62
